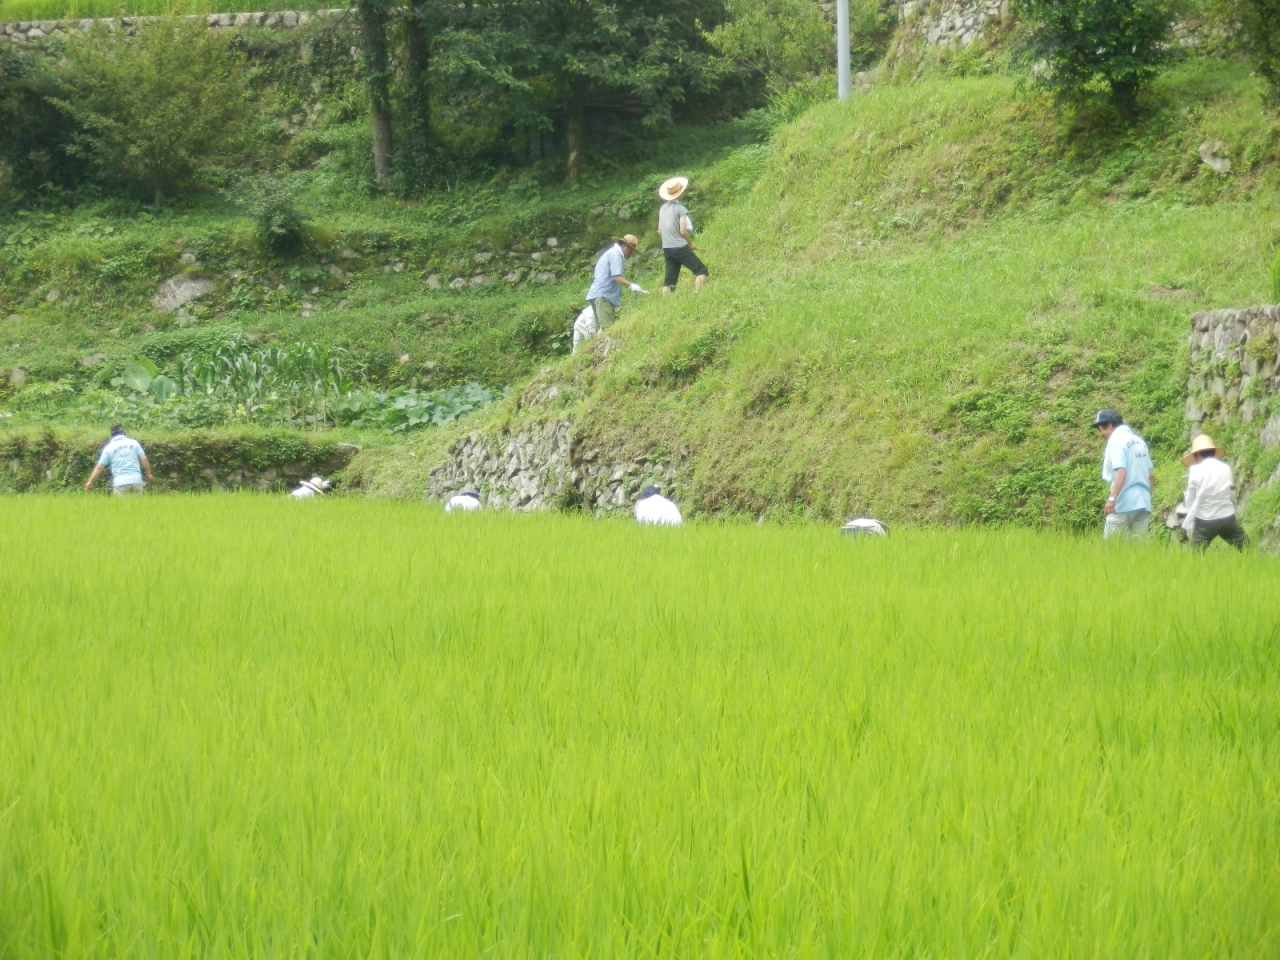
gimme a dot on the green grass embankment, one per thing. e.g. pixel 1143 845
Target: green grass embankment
pixel 76 286
pixel 930 291
pixel 188 461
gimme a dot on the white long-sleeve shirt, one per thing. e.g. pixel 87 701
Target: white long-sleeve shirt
pixel 1209 489
pixel 657 509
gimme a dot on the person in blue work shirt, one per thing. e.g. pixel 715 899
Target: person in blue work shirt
pixel 127 461
pixel 607 281
pixel 1127 467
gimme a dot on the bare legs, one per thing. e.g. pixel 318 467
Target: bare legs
pixel 698 283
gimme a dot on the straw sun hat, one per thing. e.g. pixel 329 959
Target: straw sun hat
pixel 1199 445
pixel 673 188
pixel 629 239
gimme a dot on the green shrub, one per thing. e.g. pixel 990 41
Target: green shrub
pixel 1098 48
pixel 1275 278
pixel 37 136
pixel 1260 32
pixel 790 41
pixel 280 227
pixel 158 110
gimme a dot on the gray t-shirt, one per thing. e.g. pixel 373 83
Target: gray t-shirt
pixel 669 224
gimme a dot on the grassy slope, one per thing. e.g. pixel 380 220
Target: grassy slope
pixel 930 291
pixel 103 262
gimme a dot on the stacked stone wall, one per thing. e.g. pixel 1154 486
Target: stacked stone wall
pixel 953 21
pixel 547 465
pixel 1233 394
pixel 937 23
pixel 1235 370
pixel 38 32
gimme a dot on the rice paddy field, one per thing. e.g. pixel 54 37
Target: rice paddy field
pixel 19 10
pixel 248 727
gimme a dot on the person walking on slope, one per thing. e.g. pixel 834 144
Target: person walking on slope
pixel 1210 512
pixel 1127 467
pixel 607 281
pixel 653 508
pixel 127 460
pixel 676 229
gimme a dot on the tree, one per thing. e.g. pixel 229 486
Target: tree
pixel 157 110
pixel 782 41
pixel 1260 33
pixel 1093 48
pixel 423 23
pixel 376 59
pixel 637 56
pixel 37 135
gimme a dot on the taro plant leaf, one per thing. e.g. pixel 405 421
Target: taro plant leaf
pixel 138 374
pixel 162 388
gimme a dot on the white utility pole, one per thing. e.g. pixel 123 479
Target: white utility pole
pixel 842 49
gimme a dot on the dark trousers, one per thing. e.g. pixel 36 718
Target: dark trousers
pixel 676 257
pixel 1228 528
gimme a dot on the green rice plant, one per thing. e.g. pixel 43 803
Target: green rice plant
pixel 253 727
pixel 81 9
pixel 1275 278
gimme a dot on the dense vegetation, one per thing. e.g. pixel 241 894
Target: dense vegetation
pixel 349 728
pixel 927 295
pixel 917 296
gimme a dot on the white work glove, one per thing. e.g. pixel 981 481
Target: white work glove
pixel 636 288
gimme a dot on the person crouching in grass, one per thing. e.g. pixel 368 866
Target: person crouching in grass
pixel 126 459
pixel 1210 511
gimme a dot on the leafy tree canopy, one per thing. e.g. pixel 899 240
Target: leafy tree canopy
pixel 1098 48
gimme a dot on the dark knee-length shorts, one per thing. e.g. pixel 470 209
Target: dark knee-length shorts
pixel 678 257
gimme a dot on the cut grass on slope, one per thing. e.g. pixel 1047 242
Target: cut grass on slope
pixel 248 727
pixel 85 285
pixel 919 308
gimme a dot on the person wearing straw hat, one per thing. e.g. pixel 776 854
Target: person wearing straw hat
pixel 465 502
pixel 315 487
pixel 1210 511
pixel 676 228
pixel 1127 467
pixel 607 281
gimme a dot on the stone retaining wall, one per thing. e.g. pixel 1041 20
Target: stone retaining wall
pixel 1233 394
pixel 1235 370
pixel 951 21
pixel 546 465
pixel 37 31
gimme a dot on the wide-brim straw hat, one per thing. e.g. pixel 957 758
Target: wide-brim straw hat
pixel 1199 445
pixel 629 239
pixel 673 188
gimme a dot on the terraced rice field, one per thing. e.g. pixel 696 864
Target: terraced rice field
pixel 247 727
